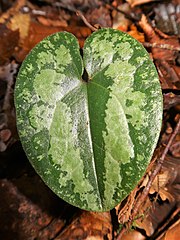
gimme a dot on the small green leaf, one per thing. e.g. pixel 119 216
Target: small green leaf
pixel 89 141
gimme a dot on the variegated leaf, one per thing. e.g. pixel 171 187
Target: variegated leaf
pixel 89 141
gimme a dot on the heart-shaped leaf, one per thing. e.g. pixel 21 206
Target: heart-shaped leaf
pixel 89 141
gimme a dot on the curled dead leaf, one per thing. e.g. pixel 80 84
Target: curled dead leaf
pixel 165 195
pixel 160 181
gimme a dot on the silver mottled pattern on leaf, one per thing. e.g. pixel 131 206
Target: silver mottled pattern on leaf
pixel 90 142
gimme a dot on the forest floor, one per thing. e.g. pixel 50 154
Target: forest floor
pixel 29 210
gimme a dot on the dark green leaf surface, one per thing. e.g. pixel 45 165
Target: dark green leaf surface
pixel 89 141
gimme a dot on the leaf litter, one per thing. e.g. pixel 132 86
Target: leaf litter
pixel 25 23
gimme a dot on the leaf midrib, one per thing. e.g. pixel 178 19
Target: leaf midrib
pixel 93 161
pixel 79 85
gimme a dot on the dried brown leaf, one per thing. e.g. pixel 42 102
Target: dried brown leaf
pixel 20 22
pixel 152 37
pixel 134 3
pixel 132 234
pixel 160 181
pixel 173 233
pixel 165 195
pixel 52 22
pixel 136 34
pixel 124 209
pixel 89 225
pixel 37 32
pixel 165 59
pixel 153 215
pixel 143 221
pixel 15 9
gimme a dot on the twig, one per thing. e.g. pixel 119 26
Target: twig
pixel 126 14
pixel 168 224
pixel 155 172
pixel 161 34
pixel 79 13
pixel 163 46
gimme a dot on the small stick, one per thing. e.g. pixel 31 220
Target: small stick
pixel 163 46
pixel 79 13
pixel 169 223
pixel 126 14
